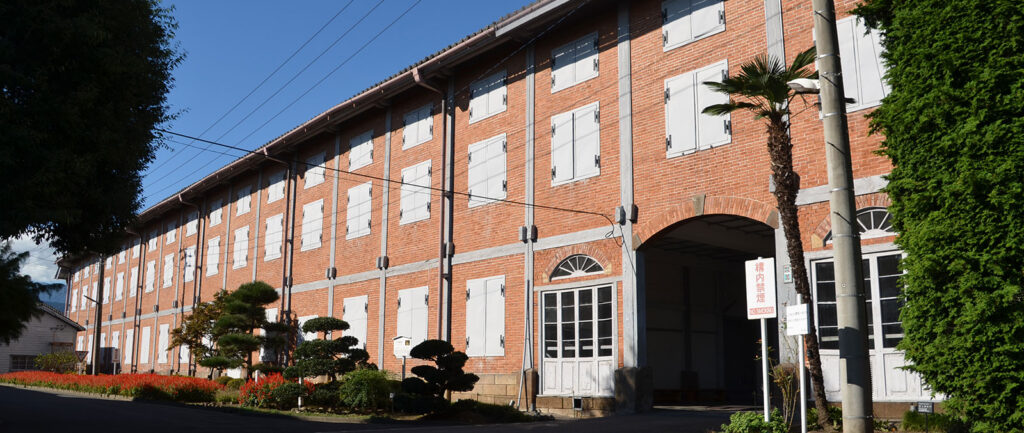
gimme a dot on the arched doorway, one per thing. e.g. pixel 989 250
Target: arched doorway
pixel 699 343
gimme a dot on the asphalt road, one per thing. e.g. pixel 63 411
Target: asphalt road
pixel 23 410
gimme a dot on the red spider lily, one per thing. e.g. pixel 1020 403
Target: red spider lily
pixel 149 386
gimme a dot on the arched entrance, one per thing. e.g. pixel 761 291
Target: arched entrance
pixel 698 342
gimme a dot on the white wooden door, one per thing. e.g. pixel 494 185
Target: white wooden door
pixel 578 344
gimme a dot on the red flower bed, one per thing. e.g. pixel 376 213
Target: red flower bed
pixel 147 386
pixel 261 393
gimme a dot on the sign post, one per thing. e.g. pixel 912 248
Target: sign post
pixel 402 347
pixel 760 275
pixel 798 323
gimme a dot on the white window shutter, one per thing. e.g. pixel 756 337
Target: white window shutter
pixel 190 263
pixel 869 65
pixel 407 201
pixel 846 33
pixel 476 317
pixel 119 292
pixel 241 247
pixel 676 28
pixel 162 343
pixel 355 315
pixel 477 173
pixel 74 301
pixel 150 275
pixel 420 320
pixel 585 65
pixel 426 123
pixel 478 99
pixel 352 213
pixel 409 129
pixel 423 193
pixel 562 67
pixel 497 95
pixel 561 148
pixel 708 16
pixel 144 343
pixel 404 316
pixel 274 236
pixel 495 324
pixel 680 115
pixel 212 256
pixel 587 141
pixel 712 130
pixel 168 273
pixel 495 168
pixel 129 340
pixel 306 336
pixel 361 150
pixel 312 224
pixel 133 282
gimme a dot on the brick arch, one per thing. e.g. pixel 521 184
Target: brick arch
pixel 588 249
pixel 860 202
pixel 706 205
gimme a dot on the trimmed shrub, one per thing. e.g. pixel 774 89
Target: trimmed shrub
pixel 223 380
pixel 57 362
pixel 936 422
pixel 366 389
pixel 287 395
pixel 753 422
pixel 235 383
pixel 444 376
pixel 226 396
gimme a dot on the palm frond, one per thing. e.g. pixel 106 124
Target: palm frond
pixel 721 109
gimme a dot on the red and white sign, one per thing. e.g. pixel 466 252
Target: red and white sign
pixel 761 289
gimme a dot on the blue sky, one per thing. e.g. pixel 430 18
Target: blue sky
pixel 230 46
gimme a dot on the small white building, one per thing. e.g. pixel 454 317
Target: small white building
pixel 50 332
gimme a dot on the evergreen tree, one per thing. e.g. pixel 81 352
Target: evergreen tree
pixel 442 378
pixel 327 357
pixel 197 330
pixel 244 312
pixel 954 131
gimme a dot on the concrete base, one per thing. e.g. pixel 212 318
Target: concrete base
pixel 589 407
pixel 634 390
pixel 498 388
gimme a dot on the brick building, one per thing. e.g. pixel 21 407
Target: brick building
pixel 546 195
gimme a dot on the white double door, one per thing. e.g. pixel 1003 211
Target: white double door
pixel 577 339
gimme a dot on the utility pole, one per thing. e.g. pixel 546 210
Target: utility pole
pixel 98 326
pixel 854 369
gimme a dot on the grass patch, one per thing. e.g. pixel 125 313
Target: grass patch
pixel 475 412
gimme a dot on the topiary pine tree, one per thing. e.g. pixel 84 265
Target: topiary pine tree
pixel 954 131
pixel 445 376
pixel 327 357
pixel 244 313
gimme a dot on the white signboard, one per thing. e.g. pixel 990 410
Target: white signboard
pixel 797 320
pixel 403 345
pixel 761 289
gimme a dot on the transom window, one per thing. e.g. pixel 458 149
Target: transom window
pixel 576 265
pixel 872 222
pixel 882 291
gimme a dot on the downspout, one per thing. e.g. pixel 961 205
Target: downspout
pixel 195 273
pixel 286 225
pixel 443 309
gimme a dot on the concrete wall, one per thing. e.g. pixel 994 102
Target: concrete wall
pixel 36 339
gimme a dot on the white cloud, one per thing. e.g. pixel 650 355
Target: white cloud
pixel 39 266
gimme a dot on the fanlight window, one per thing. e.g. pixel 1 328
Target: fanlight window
pixel 576 265
pixel 872 222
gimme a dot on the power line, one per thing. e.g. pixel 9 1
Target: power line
pixel 264 81
pixel 296 75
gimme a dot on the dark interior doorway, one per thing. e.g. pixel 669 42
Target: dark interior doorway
pixel 699 343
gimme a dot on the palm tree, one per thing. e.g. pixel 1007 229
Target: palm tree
pixel 763 89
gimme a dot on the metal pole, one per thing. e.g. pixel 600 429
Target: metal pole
pixel 98 326
pixel 764 365
pixel 803 387
pixel 854 370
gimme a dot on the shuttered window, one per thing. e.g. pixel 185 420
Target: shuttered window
pixel 306 336
pixel 129 344
pixel 354 313
pixel 121 256
pixel 574 63
pixel 216 212
pixel 418 126
pixel 685 21
pixel 191 226
pixel 135 248
pixel 275 186
pixel 150 275
pixel 133 282
pixel 687 128
pixel 412 314
pixel 415 200
pixel 488 96
pixel 190 263
pixel 74 300
pixel 169 236
pixel 241 248
pixel 316 169
pixel 360 152
pixel 312 224
pixel 243 200
pixel 162 341
pixel 119 287
pixel 860 50
pixel 576 144
pixel 168 273
pixel 487 171
pixel 485 316
pixel 106 290
pixel 212 256
pixel 274 234
pixel 144 343
pixel 358 211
